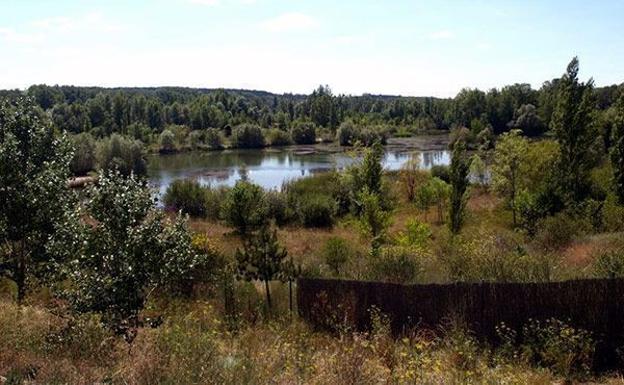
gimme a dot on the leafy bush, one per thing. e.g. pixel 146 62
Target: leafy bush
pixel 84 159
pixel 346 133
pixel 277 207
pixel 303 133
pixel 186 195
pixel 441 172
pixel 396 265
pixel 277 137
pixel 247 136
pixel 609 264
pixel 213 139
pixel 336 253
pixel 245 207
pixel 167 141
pixel 121 153
pixel 317 210
pixel 557 231
pixel 566 350
pixel 416 234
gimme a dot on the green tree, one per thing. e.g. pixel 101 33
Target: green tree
pixel 84 159
pixel 262 258
pixel 303 133
pixel 245 207
pixel 459 171
pixel 121 153
pixel 34 169
pixel 572 124
pixel 373 220
pixel 617 150
pixel 118 248
pixel 167 141
pixel 510 158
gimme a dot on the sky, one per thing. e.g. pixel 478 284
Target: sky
pixel 398 47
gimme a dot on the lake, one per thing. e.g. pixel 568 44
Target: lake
pixel 271 167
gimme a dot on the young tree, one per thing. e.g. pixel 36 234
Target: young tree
pixel 508 168
pixel 572 124
pixel 459 170
pixel 167 141
pixel 617 150
pixel 374 220
pixel 245 207
pixel 262 258
pixel 118 248
pixel 34 169
pixel 411 176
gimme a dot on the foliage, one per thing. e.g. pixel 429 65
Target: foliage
pixel 552 343
pixel 435 192
pixel 122 154
pixel 459 183
pixel 167 141
pixel 609 264
pixel 441 171
pixel 336 253
pixel 572 125
pixel 396 265
pixel 262 258
pixel 213 139
pixel 411 177
pixel 277 137
pixel 245 207
pixel 303 133
pixel 119 248
pixel 247 136
pixel 478 170
pixel 557 231
pixel 34 168
pixel 187 196
pixel 373 221
pixel 83 160
pixel 508 168
pixel 617 150
pixel 317 211
pixel 416 235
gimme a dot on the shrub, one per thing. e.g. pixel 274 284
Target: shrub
pixel 441 172
pixel 277 207
pixel 303 133
pixel 195 139
pixel 566 350
pixel 609 264
pixel 245 207
pixel 346 133
pixel 277 137
pixel 416 234
pixel 167 142
pixel 247 136
pixel 396 265
pixel 83 160
pixel 121 153
pixel 336 253
pixel 186 195
pixel 317 211
pixel 213 139
pixel 557 231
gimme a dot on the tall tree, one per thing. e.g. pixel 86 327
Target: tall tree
pixel 572 125
pixel 34 168
pixel 459 170
pixel 509 162
pixel 617 149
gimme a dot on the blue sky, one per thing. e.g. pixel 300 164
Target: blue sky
pixel 393 47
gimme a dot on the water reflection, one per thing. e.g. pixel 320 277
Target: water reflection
pixel 267 168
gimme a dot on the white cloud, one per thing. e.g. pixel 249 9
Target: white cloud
pixel 291 21
pixel 441 35
pixel 214 3
pixel 484 46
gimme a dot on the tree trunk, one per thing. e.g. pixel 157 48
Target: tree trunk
pixel 268 294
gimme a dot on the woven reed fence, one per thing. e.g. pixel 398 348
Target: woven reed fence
pixel 596 305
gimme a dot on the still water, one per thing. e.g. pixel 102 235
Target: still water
pixel 270 168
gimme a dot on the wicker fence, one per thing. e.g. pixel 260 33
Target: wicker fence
pixel 596 305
